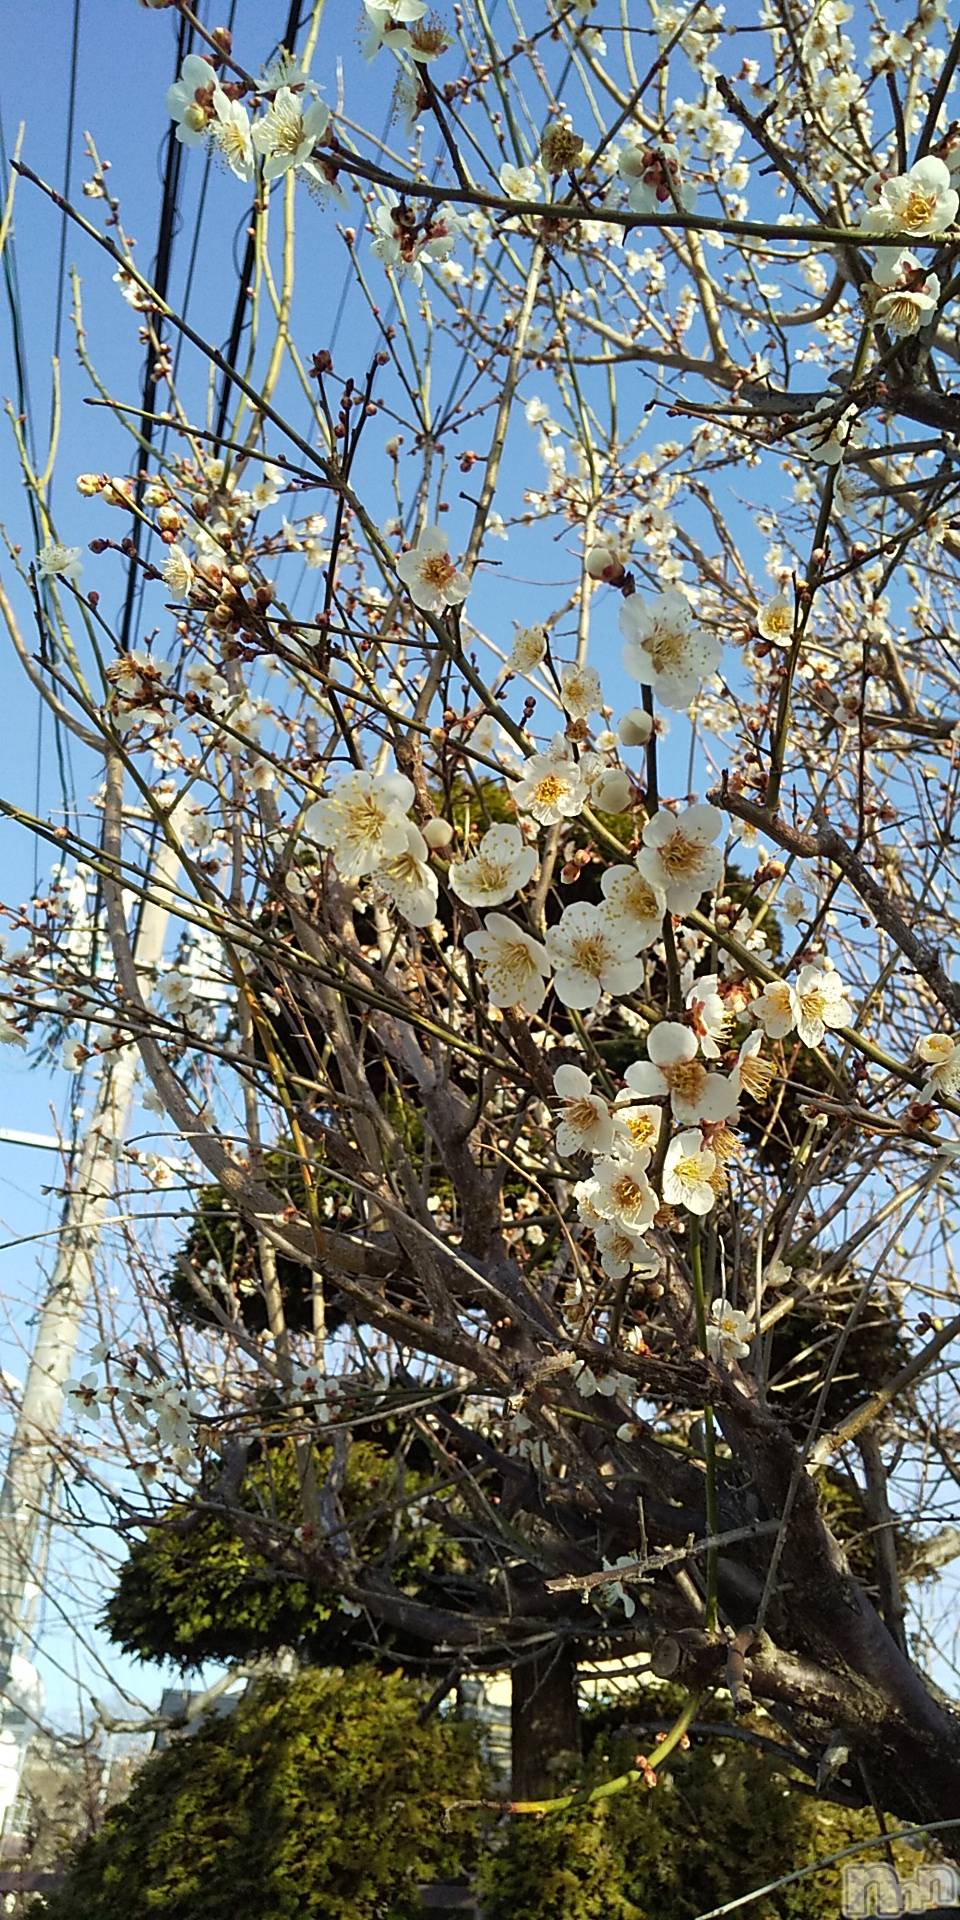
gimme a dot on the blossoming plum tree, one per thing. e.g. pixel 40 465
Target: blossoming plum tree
pixel 571 1051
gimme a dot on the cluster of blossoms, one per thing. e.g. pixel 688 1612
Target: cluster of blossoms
pixel 661 1139
pixel 293 125
pixel 908 297
pixel 921 203
pixel 676 1111
pixel 364 822
pixel 404 241
pixel 159 1409
pixel 292 132
pixel 403 28
pixel 595 948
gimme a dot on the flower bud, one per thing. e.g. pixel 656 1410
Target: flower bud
pixel 438 833
pixel 604 563
pixel 119 493
pixel 90 483
pixel 635 728
pixel 611 792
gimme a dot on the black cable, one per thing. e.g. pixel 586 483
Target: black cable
pixel 161 280
pixel 67 182
pixel 242 300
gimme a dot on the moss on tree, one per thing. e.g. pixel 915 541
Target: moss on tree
pixel 199 1587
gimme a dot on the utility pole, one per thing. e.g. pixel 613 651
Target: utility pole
pixel 30 1468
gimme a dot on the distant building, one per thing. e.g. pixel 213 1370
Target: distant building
pixel 175 1704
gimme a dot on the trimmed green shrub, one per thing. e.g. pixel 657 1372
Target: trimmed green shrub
pixel 321 1796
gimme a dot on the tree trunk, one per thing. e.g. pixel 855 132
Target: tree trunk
pixel 544 1723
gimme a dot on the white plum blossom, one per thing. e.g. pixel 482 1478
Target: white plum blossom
pixel 610 790
pixel 362 820
pixel 636 1126
pixel 232 134
pixel 56 562
pixel 708 1014
pixel 519 183
pixel 10 1036
pixel 266 491
pixel 752 1074
pixel 777 621
pixel 589 1383
pixel 284 70
pixel 178 570
pixel 655 184
pixel 409 881
pixel 586 1126
pixel 687 1173
pixel 404 30
pixel 636 900
pixel 828 432
pixel 604 563
pixel 552 787
pixel 910 305
pixel 665 649
pixel 515 965
pixel 580 691
pixel 614 1590
pixel 289 131
pixel 622 1193
pixel 190 99
pixel 592 951
pixel 673 1067
pixel 794 906
pixel 822 1002
pixel 921 202
pixel 206 681
pixel 430 576
pixel 940 1054
pixel 887 267
pixel 776 1009
pixel 528 649
pixel 583 1194
pixel 620 1251
pixel 501 866
pixel 678 854
pixel 389 26
pixel 728 1333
